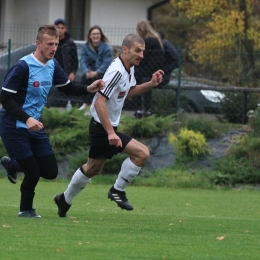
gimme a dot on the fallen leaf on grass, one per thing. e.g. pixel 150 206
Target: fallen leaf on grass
pixel 59 250
pixel 6 225
pixel 220 238
pixel 75 221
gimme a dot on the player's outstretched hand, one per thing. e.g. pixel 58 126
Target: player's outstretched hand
pixel 96 86
pixel 157 77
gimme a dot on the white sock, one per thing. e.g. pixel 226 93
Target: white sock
pixel 128 172
pixel 77 184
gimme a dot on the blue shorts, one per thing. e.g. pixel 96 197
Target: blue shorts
pixel 22 143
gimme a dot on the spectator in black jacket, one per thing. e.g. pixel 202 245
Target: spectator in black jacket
pixel 152 61
pixel 66 55
pixel 171 59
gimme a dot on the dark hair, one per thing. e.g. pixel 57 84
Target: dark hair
pixel 130 39
pixel 103 37
pixel 60 20
pixel 47 29
pixel 162 35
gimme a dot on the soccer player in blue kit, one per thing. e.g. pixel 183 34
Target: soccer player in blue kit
pixel 105 140
pixel 23 96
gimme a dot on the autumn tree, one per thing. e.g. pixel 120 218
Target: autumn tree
pixel 224 36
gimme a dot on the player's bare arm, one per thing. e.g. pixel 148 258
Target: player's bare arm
pixel 96 86
pixel 156 79
pixel 100 106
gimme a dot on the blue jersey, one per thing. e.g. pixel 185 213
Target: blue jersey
pixel 31 81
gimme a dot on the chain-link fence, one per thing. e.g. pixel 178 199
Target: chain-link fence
pixel 225 84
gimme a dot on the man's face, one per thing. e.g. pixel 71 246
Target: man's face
pixel 47 47
pixel 61 28
pixel 135 53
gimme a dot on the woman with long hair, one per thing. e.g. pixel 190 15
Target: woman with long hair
pixel 96 56
pixel 152 61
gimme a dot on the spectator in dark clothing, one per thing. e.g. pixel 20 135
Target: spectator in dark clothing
pixel 66 55
pixel 171 59
pixel 96 56
pixel 152 61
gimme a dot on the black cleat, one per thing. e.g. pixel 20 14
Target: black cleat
pixel 29 214
pixel 11 175
pixel 120 198
pixel 63 206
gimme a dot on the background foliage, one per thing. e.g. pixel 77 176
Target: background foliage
pixel 217 37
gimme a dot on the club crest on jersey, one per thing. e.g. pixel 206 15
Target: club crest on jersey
pixel 36 84
pixel 121 94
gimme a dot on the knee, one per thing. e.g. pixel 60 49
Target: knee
pixel 145 154
pixel 50 174
pixel 142 156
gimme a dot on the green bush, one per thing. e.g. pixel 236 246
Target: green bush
pixel 189 143
pixel 205 126
pixel 146 127
pixel 164 102
pixel 67 130
pixel 113 166
pixel 232 106
pixel 240 164
pixel 254 121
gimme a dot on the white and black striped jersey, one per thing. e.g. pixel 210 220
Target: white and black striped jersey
pixel 118 82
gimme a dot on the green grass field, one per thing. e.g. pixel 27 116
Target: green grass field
pixel 165 224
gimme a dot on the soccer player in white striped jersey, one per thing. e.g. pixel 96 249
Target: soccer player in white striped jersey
pixel 106 141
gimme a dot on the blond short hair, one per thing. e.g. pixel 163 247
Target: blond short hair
pixel 49 29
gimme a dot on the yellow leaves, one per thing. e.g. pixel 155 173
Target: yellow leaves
pixel 172 138
pixel 6 226
pixel 199 8
pixel 189 143
pixel 223 27
pixel 228 23
pixel 220 238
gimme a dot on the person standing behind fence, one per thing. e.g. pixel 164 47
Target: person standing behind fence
pixel 66 55
pixel 171 59
pixel 152 61
pixel 96 56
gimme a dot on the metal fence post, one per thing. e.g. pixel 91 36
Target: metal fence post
pixel 245 107
pixel 178 91
pixel 9 54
